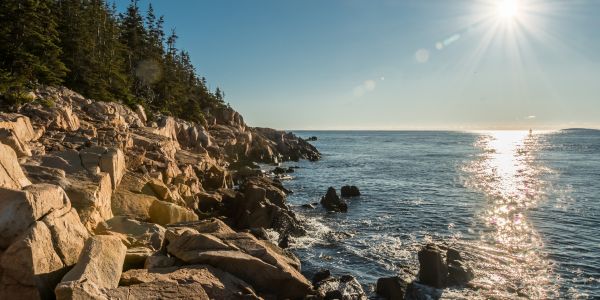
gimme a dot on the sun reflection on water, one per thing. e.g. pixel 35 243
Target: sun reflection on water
pixel 511 253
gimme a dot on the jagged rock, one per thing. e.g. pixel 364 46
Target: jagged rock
pixel 349 191
pixel 31 266
pixel 21 208
pixel 68 234
pixel 188 245
pixel 91 196
pixel 99 267
pixel 141 113
pixel 212 225
pixel 41 174
pixel 216 283
pixel 134 233
pixel 392 288
pixel 10 138
pixel 63 118
pixel 136 257
pixel 263 276
pixel 20 125
pixel 332 202
pixel 159 189
pixel 346 287
pixel 159 261
pixel 432 267
pixel 459 271
pixel 128 201
pixel 167 213
pixel 159 291
pixel 11 174
pixel 109 160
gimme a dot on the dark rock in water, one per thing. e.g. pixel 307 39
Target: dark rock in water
pixel 332 202
pixel 309 205
pixel 259 233
pixel 290 170
pixel 350 191
pixel 284 242
pixel 459 273
pixel 329 287
pixel 311 138
pixel 452 255
pixel 279 170
pixel 392 288
pixel 320 276
pixel 417 291
pixel 433 270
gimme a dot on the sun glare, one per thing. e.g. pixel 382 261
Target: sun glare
pixel 507 9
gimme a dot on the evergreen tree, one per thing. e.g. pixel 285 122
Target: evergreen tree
pixel 29 53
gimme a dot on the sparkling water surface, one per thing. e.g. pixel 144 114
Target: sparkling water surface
pixel 523 208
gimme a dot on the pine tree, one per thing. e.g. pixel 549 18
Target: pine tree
pixel 29 54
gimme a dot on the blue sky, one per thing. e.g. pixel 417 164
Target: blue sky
pixel 435 64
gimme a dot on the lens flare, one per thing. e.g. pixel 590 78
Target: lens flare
pixel 507 9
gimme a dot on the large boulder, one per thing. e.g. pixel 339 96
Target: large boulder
pixel 99 267
pixel 167 213
pixel 392 288
pixel 264 277
pixel 349 191
pixel 109 160
pixel 216 283
pixel 10 138
pixel 90 195
pixel 134 233
pixel 433 270
pixel 159 290
pixel 20 125
pixel 31 266
pixel 329 287
pixel 128 200
pixel 21 208
pixel 332 202
pixel 11 174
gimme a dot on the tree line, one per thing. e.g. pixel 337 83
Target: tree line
pixel 89 47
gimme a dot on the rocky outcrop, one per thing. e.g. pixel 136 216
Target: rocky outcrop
pixel 332 202
pixel 11 174
pixel 216 283
pixel 349 191
pixel 42 236
pixel 99 267
pixel 346 287
pixel 90 189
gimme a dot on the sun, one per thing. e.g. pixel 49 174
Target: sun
pixel 507 9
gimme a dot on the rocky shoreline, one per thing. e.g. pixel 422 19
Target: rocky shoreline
pixel 99 201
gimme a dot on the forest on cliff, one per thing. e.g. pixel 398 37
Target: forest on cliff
pixel 89 47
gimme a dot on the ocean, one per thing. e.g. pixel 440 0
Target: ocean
pixel 524 208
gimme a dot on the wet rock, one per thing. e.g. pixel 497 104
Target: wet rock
pixel 346 287
pixel 433 270
pixel 332 202
pixel 392 288
pixel 349 191
pixel 417 291
pixel 459 273
pixel 99 267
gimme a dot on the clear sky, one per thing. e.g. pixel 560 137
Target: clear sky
pixel 418 64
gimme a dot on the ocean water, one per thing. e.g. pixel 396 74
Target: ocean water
pixel 523 208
